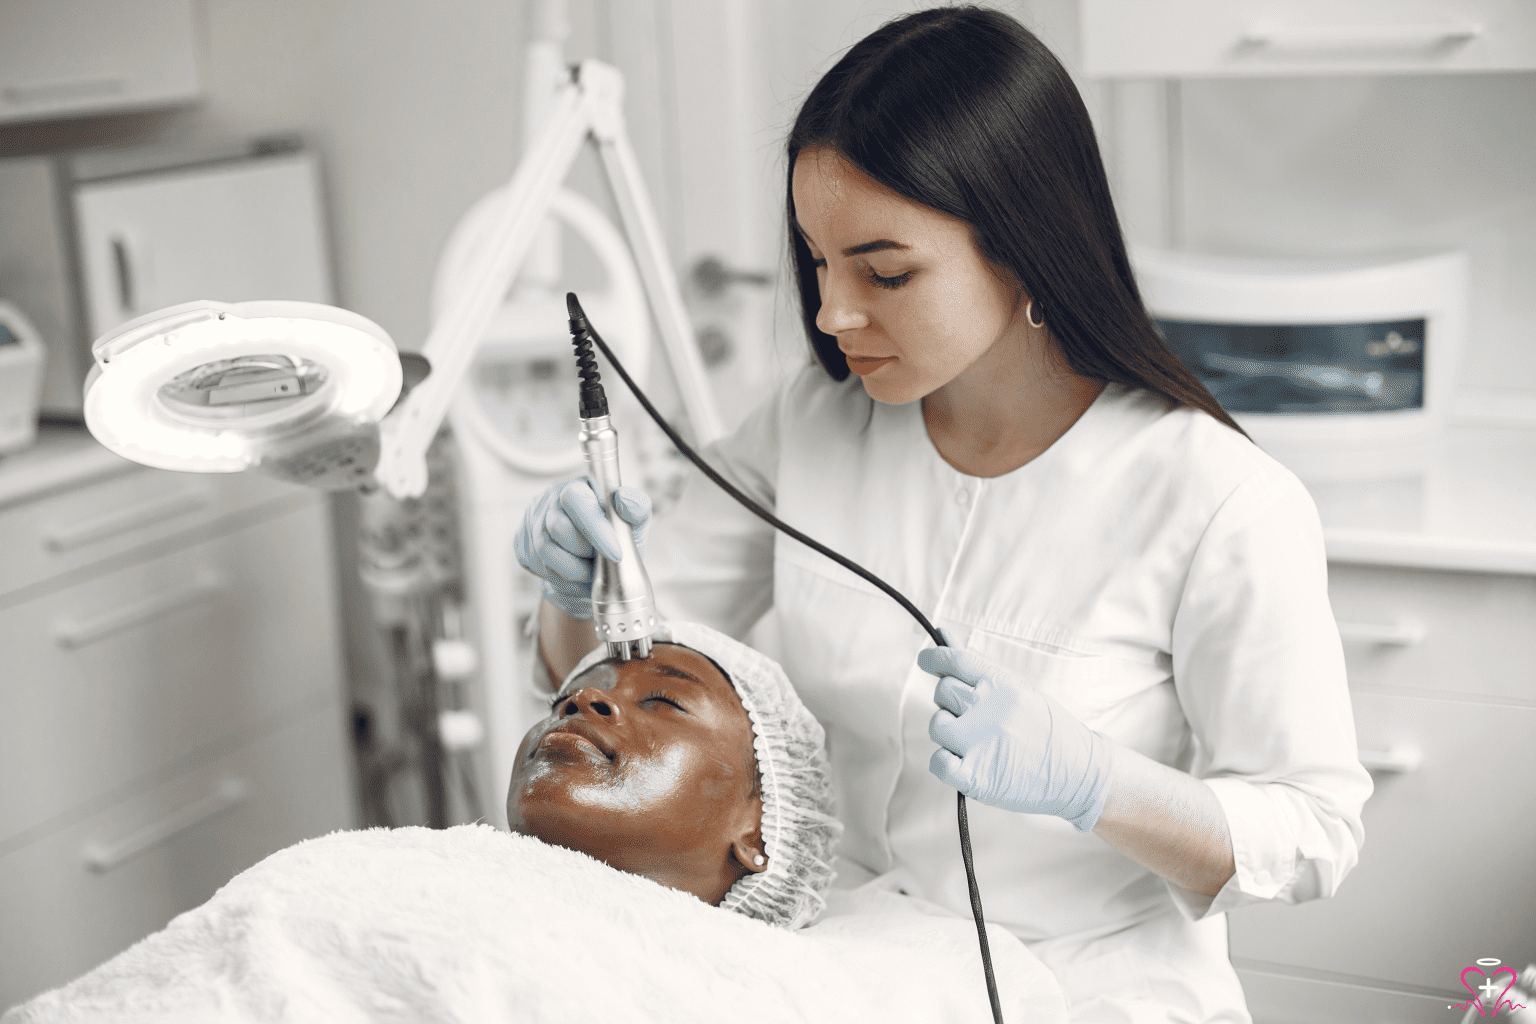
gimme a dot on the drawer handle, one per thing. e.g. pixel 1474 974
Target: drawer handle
pixel 64 90
pixel 1398 759
pixel 62 538
pixel 101 857
pixel 1405 632
pixel 70 633
pixel 1409 36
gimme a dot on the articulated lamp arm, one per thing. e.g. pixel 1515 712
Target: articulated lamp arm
pixel 591 104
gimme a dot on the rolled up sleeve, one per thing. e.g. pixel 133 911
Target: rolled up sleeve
pixel 1259 671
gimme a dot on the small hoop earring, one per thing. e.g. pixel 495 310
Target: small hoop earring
pixel 1029 314
pixel 758 860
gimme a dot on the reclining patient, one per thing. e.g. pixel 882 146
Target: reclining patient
pixel 697 774
pixel 700 771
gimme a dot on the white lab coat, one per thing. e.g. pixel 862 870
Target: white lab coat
pixel 1153 570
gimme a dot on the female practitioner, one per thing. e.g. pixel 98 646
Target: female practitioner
pixel 1145 696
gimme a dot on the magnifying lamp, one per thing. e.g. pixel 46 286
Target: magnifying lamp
pixel 296 389
pixel 319 395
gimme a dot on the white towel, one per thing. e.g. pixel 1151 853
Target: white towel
pixel 474 924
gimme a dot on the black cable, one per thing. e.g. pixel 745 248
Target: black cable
pixel 574 307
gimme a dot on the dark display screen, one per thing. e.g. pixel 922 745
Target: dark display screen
pixel 1305 368
pixel 6 337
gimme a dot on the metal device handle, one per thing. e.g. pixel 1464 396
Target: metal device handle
pixel 622 608
pixel 106 856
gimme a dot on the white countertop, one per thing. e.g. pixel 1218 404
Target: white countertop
pixel 62 457
pixel 1466 501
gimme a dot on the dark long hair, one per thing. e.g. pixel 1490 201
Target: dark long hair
pixel 964 111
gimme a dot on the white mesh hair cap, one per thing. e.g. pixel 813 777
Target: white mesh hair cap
pixel 800 829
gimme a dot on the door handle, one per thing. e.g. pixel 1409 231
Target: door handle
pixel 1405 632
pixel 712 276
pixel 100 857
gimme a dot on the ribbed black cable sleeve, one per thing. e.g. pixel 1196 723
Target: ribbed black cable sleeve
pixel 594 401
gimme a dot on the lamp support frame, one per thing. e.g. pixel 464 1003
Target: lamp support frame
pixel 589 106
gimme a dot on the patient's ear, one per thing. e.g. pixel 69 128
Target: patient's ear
pixel 748 849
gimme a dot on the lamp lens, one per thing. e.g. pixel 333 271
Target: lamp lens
pixel 231 389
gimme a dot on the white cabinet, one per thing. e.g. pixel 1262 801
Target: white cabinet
pixel 1206 38
pixel 170 705
pixel 163 850
pixel 1444 695
pixel 233 232
pixel 66 58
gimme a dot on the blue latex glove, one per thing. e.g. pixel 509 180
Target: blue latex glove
pixel 1006 744
pixel 562 532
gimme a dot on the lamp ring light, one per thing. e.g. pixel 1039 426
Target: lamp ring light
pixel 214 387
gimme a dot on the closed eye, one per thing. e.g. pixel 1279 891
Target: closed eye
pixel 889 282
pixel 665 699
pixel 874 278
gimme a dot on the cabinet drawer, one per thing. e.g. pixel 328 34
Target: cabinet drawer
pixel 72 529
pixel 1446 874
pixel 179 841
pixel 1444 633
pixel 1191 38
pixel 130 672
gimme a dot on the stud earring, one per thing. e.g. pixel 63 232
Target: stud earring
pixel 758 860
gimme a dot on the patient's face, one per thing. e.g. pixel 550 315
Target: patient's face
pixel 648 766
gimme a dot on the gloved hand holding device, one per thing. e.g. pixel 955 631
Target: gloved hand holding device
pixel 562 532
pixel 1008 745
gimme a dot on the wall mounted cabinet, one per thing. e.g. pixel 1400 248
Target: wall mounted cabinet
pixel 1259 38
pixel 67 58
